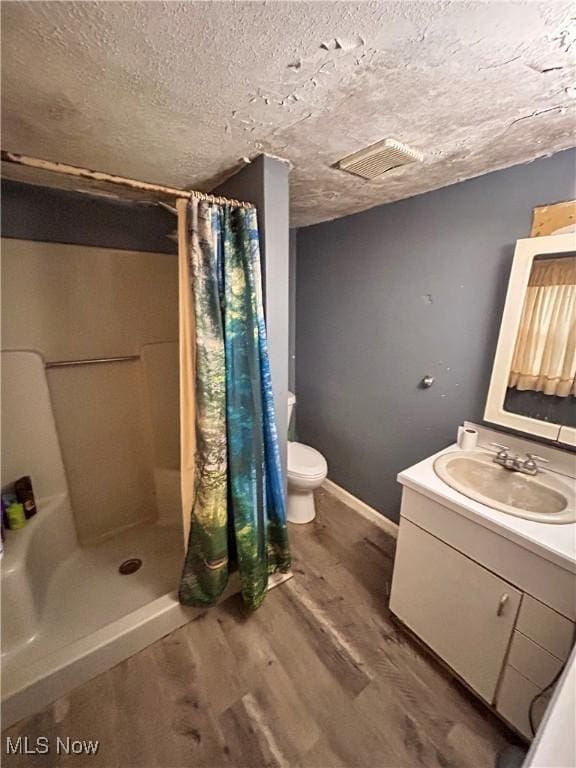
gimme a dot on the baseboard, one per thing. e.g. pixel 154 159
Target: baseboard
pixel 235 587
pixel 362 508
pixel 278 578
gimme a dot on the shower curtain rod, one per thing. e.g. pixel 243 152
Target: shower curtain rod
pixel 84 173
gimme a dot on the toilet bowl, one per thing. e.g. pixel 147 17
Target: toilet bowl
pixel 307 470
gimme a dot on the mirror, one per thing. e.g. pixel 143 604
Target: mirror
pixel 533 385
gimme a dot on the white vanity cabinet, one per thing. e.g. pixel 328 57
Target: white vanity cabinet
pixel 464 612
pixel 500 615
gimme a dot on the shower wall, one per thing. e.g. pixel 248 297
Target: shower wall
pixel 29 441
pixel 117 423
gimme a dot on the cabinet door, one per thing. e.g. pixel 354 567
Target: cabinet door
pixel 464 613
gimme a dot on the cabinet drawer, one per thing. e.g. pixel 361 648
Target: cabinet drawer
pixel 514 698
pixel 547 628
pixel 536 664
pixel 462 611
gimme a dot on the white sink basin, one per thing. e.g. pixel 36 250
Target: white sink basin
pixel 544 497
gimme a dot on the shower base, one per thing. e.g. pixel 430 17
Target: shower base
pixel 63 625
pixel 85 616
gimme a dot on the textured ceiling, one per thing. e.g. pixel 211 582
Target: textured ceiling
pixel 180 92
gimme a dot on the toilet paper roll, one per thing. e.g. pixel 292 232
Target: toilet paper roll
pixel 467 438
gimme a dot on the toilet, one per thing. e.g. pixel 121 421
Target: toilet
pixel 307 470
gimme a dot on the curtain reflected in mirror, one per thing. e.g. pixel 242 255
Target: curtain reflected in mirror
pixel 542 379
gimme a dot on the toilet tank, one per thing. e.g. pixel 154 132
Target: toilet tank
pixel 291 403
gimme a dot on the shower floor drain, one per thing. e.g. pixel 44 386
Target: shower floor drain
pixel 130 566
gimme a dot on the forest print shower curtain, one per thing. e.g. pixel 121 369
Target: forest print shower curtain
pixel 239 507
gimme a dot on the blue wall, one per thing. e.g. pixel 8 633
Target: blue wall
pixel 391 294
pixel 59 216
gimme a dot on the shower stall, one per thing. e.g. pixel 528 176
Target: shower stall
pixel 90 412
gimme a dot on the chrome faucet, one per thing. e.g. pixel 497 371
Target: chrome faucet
pixel 527 466
pixel 503 456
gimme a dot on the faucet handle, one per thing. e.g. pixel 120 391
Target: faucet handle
pixel 502 448
pixel 529 464
pixel 533 457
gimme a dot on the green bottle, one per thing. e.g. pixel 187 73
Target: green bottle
pixel 16 516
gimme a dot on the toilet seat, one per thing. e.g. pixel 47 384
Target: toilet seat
pixel 305 462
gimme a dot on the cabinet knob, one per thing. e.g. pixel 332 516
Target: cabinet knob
pixel 502 604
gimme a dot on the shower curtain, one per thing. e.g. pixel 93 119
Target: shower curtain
pixel 237 504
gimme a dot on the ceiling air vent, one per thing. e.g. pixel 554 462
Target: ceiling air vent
pixel 378 158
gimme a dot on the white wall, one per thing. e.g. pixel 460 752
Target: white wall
pixel 29 440
pixel 115 422
pixel 71 301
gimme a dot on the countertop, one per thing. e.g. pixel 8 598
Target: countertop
pixel 553 541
